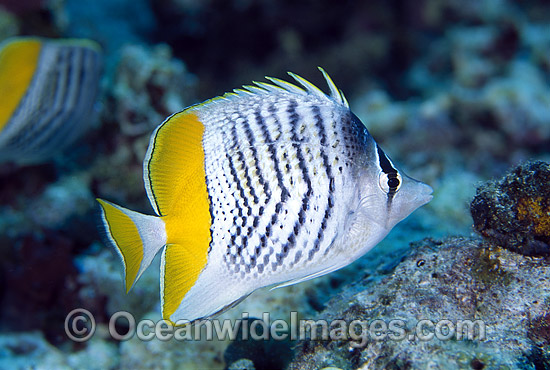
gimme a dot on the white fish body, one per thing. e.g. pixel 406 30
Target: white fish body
pixel 280 185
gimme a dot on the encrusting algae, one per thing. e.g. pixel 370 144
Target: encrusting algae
pixel 514 212
pixel 536 211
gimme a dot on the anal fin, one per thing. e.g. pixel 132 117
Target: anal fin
pixel 180 269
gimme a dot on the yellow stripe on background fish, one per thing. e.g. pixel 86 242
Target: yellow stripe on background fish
pixel 18 61
pixel 48 90
pixel 271 184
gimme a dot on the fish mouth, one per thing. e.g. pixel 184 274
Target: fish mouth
pixel 418 194
pixel 425 194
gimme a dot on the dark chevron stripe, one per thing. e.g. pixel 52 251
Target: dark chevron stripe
pixel 42 129
pixel 250 136
pixel 60 124
pixel 276 165
pixel 294 118
pixel 242 195
pixel 319 123
pixel 273 153
pixel 243 160
pixel 212 215
pixel 233 169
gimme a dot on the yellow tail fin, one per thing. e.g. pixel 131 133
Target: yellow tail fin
pixel 136 237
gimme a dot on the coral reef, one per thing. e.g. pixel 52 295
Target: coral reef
pixel 70 196
pixel 149 86
pixel 457 91
pixel 32 351
pixel 514 212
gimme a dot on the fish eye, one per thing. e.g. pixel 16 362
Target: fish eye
pixel 389 182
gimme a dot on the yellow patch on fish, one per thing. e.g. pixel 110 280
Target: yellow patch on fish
pixel 175 179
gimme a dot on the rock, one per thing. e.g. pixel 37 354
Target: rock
pixel 514 212
pixel 263 354
pixel 453 283
pixel 30 350
pixel 170 354
pixel 242 364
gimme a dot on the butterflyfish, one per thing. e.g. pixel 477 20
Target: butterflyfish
pixel 48 89
pixel 272 184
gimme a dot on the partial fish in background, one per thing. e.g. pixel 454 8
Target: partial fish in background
pixel 48 90
pixel 271 184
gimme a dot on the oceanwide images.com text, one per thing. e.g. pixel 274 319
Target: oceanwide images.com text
pixel 80 326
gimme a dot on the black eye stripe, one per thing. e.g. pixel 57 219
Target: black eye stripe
pixel 393 179
pixel 385 163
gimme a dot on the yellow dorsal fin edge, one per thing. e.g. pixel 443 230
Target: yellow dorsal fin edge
pixel 177 178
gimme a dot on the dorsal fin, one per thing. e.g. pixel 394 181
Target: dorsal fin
pixel 278 86
pixel 335 92
pixel 310 88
